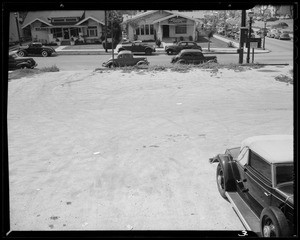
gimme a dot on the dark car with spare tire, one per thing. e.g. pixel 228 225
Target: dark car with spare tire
pixel 257 178
pixel 176 48
pixel 36 48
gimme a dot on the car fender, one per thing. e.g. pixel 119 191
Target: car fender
pixel 142 62
pixel 23 64
pixel 226 163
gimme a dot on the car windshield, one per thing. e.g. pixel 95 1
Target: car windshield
pixel 284 174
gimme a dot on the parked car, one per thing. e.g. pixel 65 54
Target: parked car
pixel 16 62
pixel 36 48
pixel 272 33
pixel 137 47
pixel 176 48
pixel 125 58
pixel 277 34
pixel 284 36
pixel 258 179
pixel 192 56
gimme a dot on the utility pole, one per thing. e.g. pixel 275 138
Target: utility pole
pixel 112 37
pixel 243 24
pixel 105 30
pixel 17 23
pixel 249 36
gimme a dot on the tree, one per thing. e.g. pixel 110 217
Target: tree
pixel 114 24
pixel 210 34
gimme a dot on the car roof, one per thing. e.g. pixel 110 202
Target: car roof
pixel 190 50
pixel 125 52
pixel 273 148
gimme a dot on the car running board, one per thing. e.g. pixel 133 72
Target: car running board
pixel 248 218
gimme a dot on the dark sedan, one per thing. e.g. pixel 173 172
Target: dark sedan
pixel 16 62
pixel 174 49
pixel 137 47
pixel 36 48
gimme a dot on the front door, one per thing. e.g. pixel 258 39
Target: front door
pixel 66 33
pixel 165 31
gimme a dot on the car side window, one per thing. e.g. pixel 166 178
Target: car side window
pixel 260 165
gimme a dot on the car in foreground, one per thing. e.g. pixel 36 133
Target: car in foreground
pixel 257 178
pixel 125 58
pixel 176 48
pixel 16 62
pixel 36 48
pixel 192 56
pixel 137 47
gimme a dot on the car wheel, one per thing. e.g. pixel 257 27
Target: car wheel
pixel 112 65
pixel 221 181
pixel 273 223
pixel 21 53
pixel 44 54
pixel 169 52
pixel 148 51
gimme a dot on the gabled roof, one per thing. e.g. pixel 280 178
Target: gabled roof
pixel 45 16
pixel 98 16
pixel 194 16
pixel 36 16
pixel 145 14
pixel 62 14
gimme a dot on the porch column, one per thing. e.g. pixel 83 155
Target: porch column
pixel 194 31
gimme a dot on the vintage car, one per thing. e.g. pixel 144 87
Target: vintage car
pixel 176 48
pixel 284 36
pixel 125 58
pixel 137 47
pixel 258 179
pixel 192 56
pixel 16 62
pixel 36 48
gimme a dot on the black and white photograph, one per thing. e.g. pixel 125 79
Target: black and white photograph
pixel 151 120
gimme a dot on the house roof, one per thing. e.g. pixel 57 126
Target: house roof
pixel 273 148
pixel 194 16
pixel 61 14
pixel 36 16
pixel 44 16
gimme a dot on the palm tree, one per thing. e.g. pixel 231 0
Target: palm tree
pixel 210 34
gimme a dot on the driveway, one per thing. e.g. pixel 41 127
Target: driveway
pixel 114 150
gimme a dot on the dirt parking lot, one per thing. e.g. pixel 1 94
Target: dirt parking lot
pixel 114 150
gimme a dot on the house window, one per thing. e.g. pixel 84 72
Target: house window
pixel 146 29
pixel 180 29
pixel 151 29
pixel 92 31
pixel 58 20
pixel 57 32
pixel 142 30
pixel 260 165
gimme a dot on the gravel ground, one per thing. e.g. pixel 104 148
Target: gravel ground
pixel 115 150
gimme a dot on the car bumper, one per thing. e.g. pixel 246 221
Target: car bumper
pixel 104 64
pixel 54 53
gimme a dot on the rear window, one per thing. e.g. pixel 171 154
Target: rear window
pixel 260 165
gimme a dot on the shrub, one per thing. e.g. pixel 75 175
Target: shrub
pixel 53 68
pixel 181 38
pixel 158 42
pixel 230 44
pixel 190 38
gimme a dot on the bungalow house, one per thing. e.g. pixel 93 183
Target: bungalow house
pixel 62 26
pixel 163 24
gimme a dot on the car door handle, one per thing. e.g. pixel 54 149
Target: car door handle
pixel 267 194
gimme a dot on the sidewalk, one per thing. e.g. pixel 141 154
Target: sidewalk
pixel 97 51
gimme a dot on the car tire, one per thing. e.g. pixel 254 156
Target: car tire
pixel 273 223
pixel 112 65
pixel 169 52
pixel 148 51
pixel 45 54
pixel 21 53
pixel 220 180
